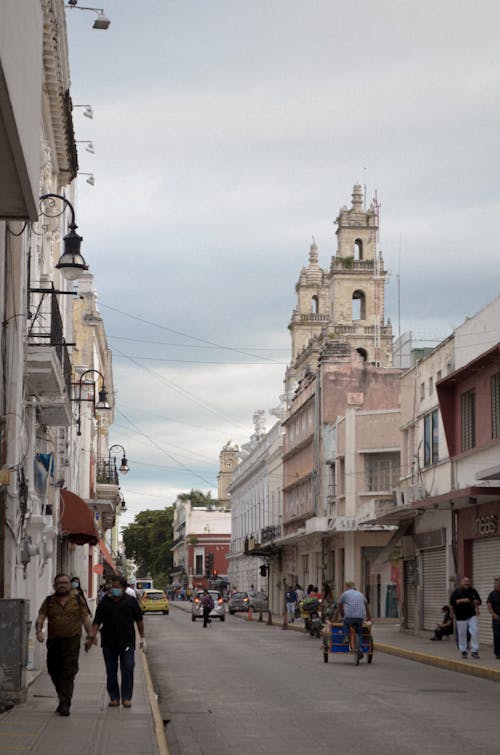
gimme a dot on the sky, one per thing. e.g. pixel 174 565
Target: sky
pixel 227 134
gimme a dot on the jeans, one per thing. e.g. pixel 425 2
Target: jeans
pixel 472 626
pixel 290 607
pixel 496 636
pixel 62 665
pixel 358 624
pixel 127 663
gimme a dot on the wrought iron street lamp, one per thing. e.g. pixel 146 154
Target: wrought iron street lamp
pixel 101 405
pixel 71 263
pixel 124 468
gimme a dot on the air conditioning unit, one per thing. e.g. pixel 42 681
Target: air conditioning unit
pixel 400 496
pixel 418 491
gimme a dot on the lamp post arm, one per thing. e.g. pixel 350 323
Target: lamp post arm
pixel 73 224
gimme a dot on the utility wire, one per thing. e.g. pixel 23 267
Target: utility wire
pixel 180 333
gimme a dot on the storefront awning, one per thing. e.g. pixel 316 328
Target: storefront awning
pixel 106 554
pixel 77 521
pixel 460 498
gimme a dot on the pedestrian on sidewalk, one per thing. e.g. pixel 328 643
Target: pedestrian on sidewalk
pixel 208 605
pixel 493 603
pixel 65 612
pixel 116 616
pixel 76 585
pixel 445 627
pixel 465 602
pixel 291 603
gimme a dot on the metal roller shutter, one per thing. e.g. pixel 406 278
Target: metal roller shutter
pixel 435 588
pixel 410 584
pixel 485 567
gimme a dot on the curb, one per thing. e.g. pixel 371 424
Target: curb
pixel 482 672
pixel 161 739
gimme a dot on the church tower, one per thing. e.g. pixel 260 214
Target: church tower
pixel 228 461
pixel 357 284
pixel 312 311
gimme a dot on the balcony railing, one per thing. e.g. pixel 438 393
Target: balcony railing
pixel 106 472
pixel 46 328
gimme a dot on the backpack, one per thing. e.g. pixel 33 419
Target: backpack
pixel 208 602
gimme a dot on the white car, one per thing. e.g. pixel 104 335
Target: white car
pixel 217 612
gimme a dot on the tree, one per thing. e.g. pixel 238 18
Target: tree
pixel 148 540
pixel 197 497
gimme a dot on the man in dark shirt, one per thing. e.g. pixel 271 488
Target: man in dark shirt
pixel 116 616
pixel 465 602
pixel 65 612
pixel 493 604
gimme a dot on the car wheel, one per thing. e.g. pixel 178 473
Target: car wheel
pixel 222 618
pixel 232 613
pixel 193 618
pixel 165 613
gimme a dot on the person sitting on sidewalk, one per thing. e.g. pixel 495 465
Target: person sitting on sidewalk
pixel 445 628
pixel 65 612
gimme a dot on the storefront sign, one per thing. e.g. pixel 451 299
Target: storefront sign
pixel 485 525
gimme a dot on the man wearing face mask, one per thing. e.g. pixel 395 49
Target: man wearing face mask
pixel 66 613
pixel 116 616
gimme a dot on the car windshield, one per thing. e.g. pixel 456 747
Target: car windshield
pixel 238 595
pixel 153 596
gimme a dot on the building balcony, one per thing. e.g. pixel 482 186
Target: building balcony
pixel 48 364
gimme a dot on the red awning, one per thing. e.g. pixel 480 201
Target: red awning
pixel 77 520
pixel 107 555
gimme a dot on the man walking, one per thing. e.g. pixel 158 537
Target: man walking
pixel 116 616
pixel 493 603
pixel 291 602
pixel 465 602
pixel 208 605
pixel 354 609
pixel 65 612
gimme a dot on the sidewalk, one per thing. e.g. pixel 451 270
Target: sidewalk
pixel 388 638
pixel 93 727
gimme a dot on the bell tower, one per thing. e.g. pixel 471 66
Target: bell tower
pixel 357 283
pixel 311 313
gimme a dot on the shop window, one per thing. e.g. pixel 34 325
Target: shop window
pixel 431 438
pixel 468 419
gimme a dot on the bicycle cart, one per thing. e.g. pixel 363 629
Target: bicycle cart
pixel 335 641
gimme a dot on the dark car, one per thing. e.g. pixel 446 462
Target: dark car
pixel 242 601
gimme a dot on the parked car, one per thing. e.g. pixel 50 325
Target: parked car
pixel 242 601
pixel 154 601
pixel 217 612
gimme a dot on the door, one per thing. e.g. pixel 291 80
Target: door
pixel 410 590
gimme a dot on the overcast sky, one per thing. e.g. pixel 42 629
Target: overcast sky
pixel 227 134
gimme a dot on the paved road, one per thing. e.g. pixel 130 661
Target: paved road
pixel 240 687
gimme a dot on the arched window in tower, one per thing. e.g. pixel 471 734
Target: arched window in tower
pixel 358 249
pixel 363 354
pixel 358 305
pixel 314 305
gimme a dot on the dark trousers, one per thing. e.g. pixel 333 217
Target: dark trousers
pixel 496 637
pixel 206 614
pixel 62 665
pixel 127 663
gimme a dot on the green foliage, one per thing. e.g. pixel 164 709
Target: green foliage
pixel 148 541
pixel 196 497
pixel 348 262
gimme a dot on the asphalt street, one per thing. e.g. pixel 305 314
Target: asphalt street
pixel 241 687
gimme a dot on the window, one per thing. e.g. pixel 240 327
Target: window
pixel 199 565
pixel 358 249
pixel 431 438
pixel 358 306
pixel 431 386
pixel 315 305
pixel 495 406
pixel 382 471
pixel 438 375
pixel 422 391
pixel 468 416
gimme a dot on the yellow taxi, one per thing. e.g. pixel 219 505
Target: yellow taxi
pixel 154 601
